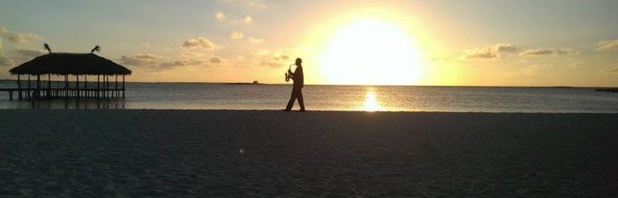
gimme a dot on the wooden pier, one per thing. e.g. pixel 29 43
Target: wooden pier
pixel 54 93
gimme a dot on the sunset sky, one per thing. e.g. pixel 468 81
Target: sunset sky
pixel 408 42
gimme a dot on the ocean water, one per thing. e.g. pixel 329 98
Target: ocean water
pixel 340 98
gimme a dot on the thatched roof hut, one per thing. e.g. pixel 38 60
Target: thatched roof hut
pixel 70 64
pixel 66 64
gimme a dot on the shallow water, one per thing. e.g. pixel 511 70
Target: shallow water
pixel 341 98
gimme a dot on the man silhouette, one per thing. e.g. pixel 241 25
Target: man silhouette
pixel 297 90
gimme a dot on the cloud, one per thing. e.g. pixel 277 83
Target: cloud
pixel 20 55
pixel 248 20
pixel 200 42
pixel 537 52
pixel 489 52
pixel 545 52
pixel 153 62
pixel 440 59
pixel 215 60
pixel 220 16
pixel 607 45
pixel 576 65
pixel 147 56
pixel 480 54
pixel 505 47
pixel 178 63
pixel 535 68
pixel 145 44
pixel 190 54
pixel 280 56
pixel 255 40
pixel 236 35
pixel 267 58
pixel 5 61
pixel 16 37
pixel 566 51
pixel 29 53
pixel 139 60
pixel 260 4
pixel 250 4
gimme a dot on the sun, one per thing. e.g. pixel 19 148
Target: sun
pixel 370 52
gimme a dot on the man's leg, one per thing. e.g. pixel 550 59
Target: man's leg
pixel 299 95
pixel 291 102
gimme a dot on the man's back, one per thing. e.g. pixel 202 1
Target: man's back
pixel 299 77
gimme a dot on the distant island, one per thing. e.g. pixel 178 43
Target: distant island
pixel 255 82
pixel 613 90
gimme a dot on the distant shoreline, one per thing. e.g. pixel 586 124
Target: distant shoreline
pixel 607 89
pixel 241 83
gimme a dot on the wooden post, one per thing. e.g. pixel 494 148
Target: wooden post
pixel 85 85
pixel 116 86
pixel 123 88
pixel 29 87
pixel 66 85
pixel 107 86
pixel 48 85
pixel 38 86
pixel 98 86
pixel 77 85
pixel 19 86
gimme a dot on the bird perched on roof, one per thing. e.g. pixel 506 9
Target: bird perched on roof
pixel 47 47
pixel 96 48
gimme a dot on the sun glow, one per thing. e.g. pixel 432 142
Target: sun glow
pixel 371 103
pixel 371 52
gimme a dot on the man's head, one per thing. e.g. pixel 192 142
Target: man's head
pixel 299 61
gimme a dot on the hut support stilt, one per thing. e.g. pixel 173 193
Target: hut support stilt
pixel 123 88
pixel 98 87
pixel 86 86
pixel 38 86
pixel 116 86
pixel 28 96
pixel 107 86
pixel 66 86
pixel 77 85
pixel 48 86
pixel 19 87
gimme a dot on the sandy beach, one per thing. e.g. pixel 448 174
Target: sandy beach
pixel 167 153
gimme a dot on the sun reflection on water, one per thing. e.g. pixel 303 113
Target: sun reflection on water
pixel 371 103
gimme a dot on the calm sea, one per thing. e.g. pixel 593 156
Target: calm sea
pixel 341 98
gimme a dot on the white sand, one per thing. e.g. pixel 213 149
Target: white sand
pixel 83 153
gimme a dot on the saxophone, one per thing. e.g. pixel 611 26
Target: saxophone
pixel 288 74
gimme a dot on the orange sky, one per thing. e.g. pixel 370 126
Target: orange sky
pixel 478 42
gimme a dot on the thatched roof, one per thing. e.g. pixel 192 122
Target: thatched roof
pixel 70 64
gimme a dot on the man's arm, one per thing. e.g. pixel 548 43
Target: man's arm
pixel 291 74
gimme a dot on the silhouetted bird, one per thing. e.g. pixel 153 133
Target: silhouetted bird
pixel 47 47
pixel 96 48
